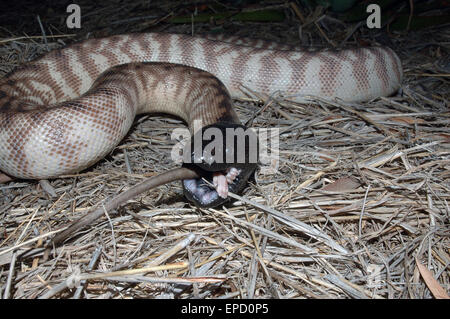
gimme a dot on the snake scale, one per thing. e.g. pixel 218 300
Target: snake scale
pixel 66 110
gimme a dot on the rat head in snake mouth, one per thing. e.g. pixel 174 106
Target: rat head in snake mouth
pixel 225 154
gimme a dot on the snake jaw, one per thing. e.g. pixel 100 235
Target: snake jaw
pixel 222 177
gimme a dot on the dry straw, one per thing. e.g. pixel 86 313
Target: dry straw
pixel 359 207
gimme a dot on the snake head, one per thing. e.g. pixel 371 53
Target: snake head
pixel 225 155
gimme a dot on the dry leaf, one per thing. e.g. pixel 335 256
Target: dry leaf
pixel 407 120
pixel 432 284
pixel 342 184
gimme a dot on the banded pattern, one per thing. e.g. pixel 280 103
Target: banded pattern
pixel 72 135
pixel 57 116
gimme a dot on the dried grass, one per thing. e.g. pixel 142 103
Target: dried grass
pixel 358 205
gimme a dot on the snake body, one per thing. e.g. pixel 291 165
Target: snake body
pixel 66 110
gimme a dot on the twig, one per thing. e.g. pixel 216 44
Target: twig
pixel 92 262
